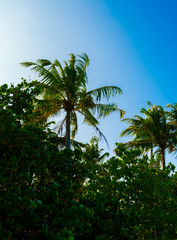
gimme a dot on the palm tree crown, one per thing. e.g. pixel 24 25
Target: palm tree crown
pixel 64 88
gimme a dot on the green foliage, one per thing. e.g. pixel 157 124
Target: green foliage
pixel 35 178
pixel 44 196
pixel 132 200
pixel 21 102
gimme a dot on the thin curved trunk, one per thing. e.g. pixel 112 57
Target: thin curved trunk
pixel 68 123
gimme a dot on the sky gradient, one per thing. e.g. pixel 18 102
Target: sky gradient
pixel 131 44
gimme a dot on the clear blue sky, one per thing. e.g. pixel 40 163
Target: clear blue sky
pixel 131 44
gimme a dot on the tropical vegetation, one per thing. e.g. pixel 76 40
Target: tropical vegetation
pixel 157 130
pixel 128 196
pixel 64 88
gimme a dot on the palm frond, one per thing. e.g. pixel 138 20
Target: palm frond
pixel 60 126
pixel 101 135
pixel 136 127
pixel 104 110
pixel 81 68
pixel 72 62
pixel 28 64
pixel 61 70
pixel 47 76
pixel 43 62
pixel 76 144
pixel 89 118
pixel 149 104
pixel 103 157
pixel 50 106
pixel 105 92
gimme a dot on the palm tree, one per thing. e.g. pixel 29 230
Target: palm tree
pixel 137 130
pixel 64 88
pixel 92 153
pixel 173 114
pixel 152 131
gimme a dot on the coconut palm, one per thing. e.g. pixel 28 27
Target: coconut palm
pixel 154 130
pixel 64 88
pixel 173 114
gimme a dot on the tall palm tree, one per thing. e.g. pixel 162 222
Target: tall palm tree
pixel 154 130
pixel 64 88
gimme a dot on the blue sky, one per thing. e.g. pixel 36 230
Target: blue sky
pixel 131 44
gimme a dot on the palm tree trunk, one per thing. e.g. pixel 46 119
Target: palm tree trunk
pixel 68 123
pixel 151 150
pixel 163 157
